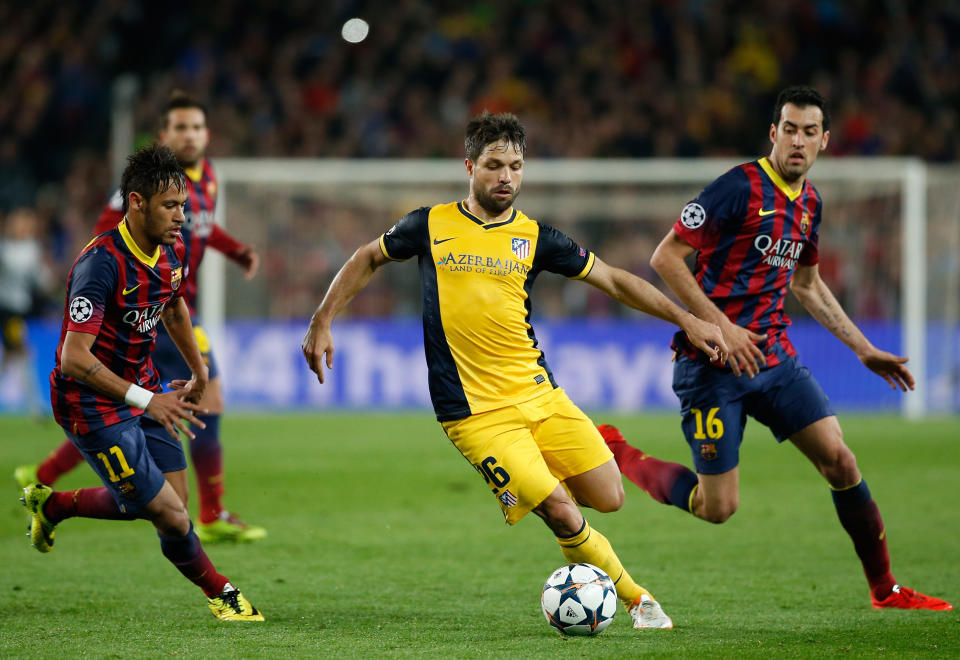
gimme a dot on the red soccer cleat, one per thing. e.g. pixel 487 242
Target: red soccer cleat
pixel 610 433
pixel 907 599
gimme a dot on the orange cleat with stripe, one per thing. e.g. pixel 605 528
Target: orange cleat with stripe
pixel 905 598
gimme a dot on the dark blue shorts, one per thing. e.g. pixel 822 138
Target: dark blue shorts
pixel 715 404
pixel 131 458
pixel 170 363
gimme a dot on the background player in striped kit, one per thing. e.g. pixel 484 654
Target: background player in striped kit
pixel 184 129
pixel 124 283
pixel 755 231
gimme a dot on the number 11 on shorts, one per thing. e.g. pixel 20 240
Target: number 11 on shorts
pixel 125 469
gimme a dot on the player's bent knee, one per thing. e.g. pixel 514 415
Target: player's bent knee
pixel 560 514
pixel 170 517
pixel 842 470
pixel 718 512
pixel 609 502
pixel 605 498
pixel 718 517
pixel 172 523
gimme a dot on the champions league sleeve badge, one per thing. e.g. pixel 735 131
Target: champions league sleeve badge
pixel 693 215
pixel 80 310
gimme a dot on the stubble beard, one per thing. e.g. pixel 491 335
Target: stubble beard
pixel 186 162
pixel 189 164
pixel 494 206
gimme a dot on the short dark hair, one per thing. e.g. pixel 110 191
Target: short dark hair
pixel 177 101
pixel 485 129
pixel 801 97
pixel 151 169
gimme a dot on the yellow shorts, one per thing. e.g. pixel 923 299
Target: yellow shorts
pixel 523 451
pixel 13 332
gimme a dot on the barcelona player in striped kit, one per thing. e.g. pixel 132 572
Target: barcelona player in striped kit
pixel 755 231
pixel 490 384
pixel 106 393
pixel 184 129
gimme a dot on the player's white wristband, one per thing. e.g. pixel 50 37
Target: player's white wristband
pixel 137 397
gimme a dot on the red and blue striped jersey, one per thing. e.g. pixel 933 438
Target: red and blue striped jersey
pixel 751 231
pixel 201 201
pixel 115 292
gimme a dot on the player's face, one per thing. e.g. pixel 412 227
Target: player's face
pixel 163 216
pixel 186 133
pixel 495 177
pixel 797 140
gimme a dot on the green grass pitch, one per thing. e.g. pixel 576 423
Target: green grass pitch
pixel 385 543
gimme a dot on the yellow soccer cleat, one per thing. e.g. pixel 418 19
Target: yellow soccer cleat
pixel 230 605
pixel 41 530
pixel 228 528
pixel 26 475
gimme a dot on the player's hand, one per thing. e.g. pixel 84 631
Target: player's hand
pixel 317 348
pixel 249 260
pixel 707 337
pixel 193 389
pixel 745 355
pixel 175 413
pixel 890 367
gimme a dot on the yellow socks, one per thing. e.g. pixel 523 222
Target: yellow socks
pixel 591 547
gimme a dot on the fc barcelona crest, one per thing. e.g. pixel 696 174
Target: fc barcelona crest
pixel 520 247
pixel 805 223
pixel 708 450
pixel 176 275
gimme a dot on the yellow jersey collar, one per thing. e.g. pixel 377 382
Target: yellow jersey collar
pixel 194 173
pixel 778 180
pixel 462 206
pixel 142 256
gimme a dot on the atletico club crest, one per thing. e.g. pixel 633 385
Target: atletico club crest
pixel 805 223
pixel 520 247
pixel 175 276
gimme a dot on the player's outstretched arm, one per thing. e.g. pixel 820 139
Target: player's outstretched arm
pixel 317 344
pixel 669 262
pixel 817 298
pixel 244 255
pixel 636 292
pixel 169 408
pixel 176 319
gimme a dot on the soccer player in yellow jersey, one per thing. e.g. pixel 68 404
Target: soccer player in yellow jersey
pixel 491 387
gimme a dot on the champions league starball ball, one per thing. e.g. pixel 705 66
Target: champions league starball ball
pixel 579 599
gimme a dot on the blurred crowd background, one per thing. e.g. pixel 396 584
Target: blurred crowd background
pixel 592 78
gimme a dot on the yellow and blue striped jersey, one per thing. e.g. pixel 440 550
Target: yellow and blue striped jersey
pixel 476 278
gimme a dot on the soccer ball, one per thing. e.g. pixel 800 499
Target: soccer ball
pixel 579 599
